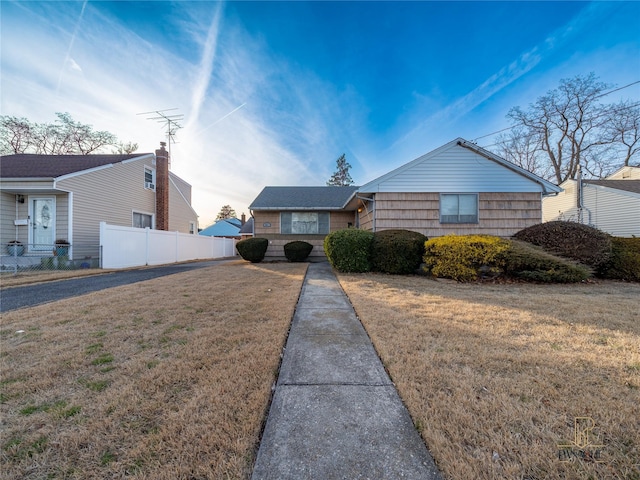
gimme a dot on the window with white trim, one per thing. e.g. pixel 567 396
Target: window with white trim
pixel 142 220
pixel 458 208
pixel 192 228
pixel 301 223
pixel 149 178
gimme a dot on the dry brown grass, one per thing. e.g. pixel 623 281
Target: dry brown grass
pixel 164 379
pixel 494 375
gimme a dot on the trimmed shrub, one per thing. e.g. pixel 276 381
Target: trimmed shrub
pixel 624 263
pixel 297 251
pixel 463 257
pixel 583 243
pixel 253 249
pixel 349 250
pixel 525 261
pixel 397 251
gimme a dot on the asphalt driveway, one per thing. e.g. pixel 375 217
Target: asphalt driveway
pixel 31 295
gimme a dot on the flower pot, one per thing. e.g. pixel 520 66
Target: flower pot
pixel 15 249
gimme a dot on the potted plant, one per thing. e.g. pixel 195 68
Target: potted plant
pixel 62 248
pixel 15 248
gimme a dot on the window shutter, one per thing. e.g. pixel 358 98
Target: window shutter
pixel 323 223
pixel 285 222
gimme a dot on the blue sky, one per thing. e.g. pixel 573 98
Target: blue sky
pixel 274 92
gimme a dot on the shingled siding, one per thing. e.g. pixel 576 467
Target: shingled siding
pixel 267 225
pixel 501 214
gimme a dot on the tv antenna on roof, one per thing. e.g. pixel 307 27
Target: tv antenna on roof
pixel 172 123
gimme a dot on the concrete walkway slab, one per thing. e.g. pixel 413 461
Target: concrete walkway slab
pixel 341 432
pixel 322 321
pixel 335 413
pixel 328 359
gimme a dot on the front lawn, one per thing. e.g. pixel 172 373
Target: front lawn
pixel 494 376
pixel 164 379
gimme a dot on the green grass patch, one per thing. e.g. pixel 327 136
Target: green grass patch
pixel 102 359
pixel 107 457
pixel 93 348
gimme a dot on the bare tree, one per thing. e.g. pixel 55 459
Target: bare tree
pixel 226 212
pixel 341 176
pixel 64 136
pixel 124 148
pixel 624 130
pixel 570 127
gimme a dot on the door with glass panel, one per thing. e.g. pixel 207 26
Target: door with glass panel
pixel 43 223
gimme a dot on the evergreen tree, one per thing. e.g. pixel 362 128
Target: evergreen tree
pixel 226 212
pixel 341 177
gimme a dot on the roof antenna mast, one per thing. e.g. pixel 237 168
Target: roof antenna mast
pixel 171 122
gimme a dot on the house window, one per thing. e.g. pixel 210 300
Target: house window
pixel 142 220
pixel 192 228
pixel 458 208
pixel 304 223
pixel 149 178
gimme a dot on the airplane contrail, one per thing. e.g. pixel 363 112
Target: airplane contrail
pixel 220 119
pixel 73 39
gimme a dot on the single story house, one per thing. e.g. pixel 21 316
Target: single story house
pixel 45 198
pixel 458 188
pixel 611 204
pixel 285 214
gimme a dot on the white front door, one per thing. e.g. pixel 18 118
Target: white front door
pixel 42 211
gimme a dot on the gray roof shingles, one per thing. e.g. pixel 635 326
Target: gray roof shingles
pixel 28 165
pixel 307 198
pixel 626 185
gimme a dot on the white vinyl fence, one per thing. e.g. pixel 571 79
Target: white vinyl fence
pixel 124 247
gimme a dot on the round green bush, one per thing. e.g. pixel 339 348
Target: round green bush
pixel 253 249
pixel 397 252
pixel 297 251
pixel 624 263
pixel 573 240
pixel 349 250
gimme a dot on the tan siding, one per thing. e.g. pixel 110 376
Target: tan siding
pixel 62 218
pixel 183 186
pixel 337 221
pixel 262 218
pixel 180 212
pixel 500 214
pixel 108 195
pixel 340 220
pixel 7 216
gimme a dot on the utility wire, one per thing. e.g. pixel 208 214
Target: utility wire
pixel 598 96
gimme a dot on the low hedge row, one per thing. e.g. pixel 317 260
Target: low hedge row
pixel 388 251
pixel 624 263
pixel 468 257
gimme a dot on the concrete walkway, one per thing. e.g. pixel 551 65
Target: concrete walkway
pixel 335 413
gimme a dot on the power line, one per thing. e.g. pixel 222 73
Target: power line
pixel 598 96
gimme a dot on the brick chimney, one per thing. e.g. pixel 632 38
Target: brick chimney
pixel 162 188
pixel 243 219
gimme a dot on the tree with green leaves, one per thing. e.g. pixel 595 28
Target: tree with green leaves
pixel 226 212
pixel 570 127
pixel 64 136
pixel 341 177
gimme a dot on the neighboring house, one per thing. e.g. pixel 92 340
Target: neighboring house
pixel 49 197
pixel 285 214
pixel 246 231
pixel 458 188
pixel 227 227
pixel 612 204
